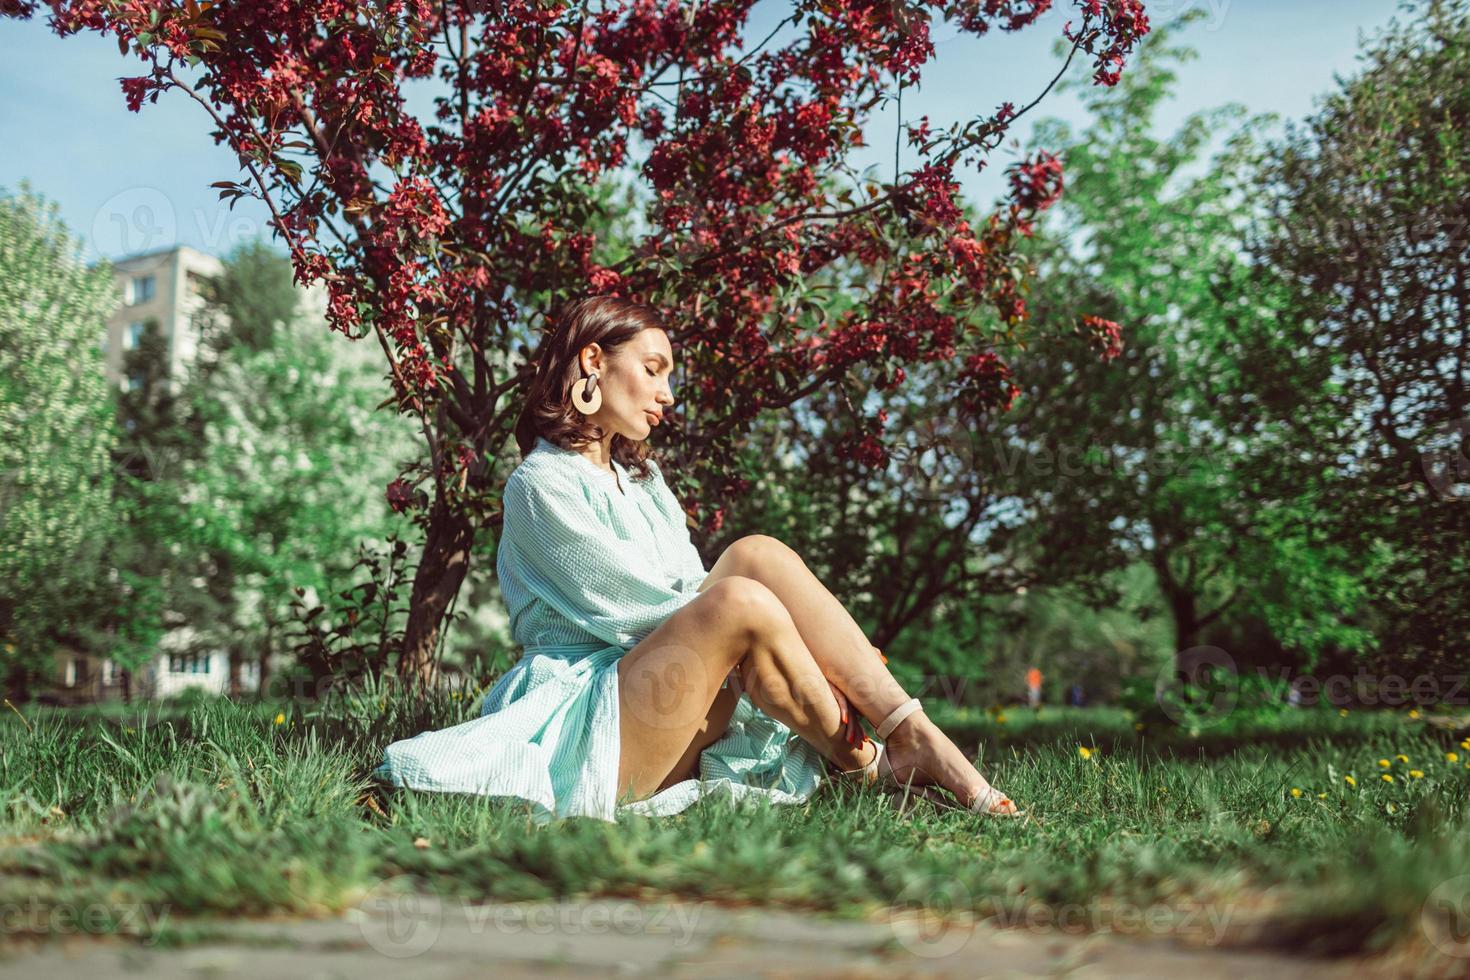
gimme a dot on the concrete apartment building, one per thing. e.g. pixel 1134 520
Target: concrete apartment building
pixel 162 285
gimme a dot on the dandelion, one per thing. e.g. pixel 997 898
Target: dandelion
pixel 1402 758
pixel 281 718
pixel 1414 713
pixel 1138 726
pixel 130 731
pixel 1451 757
pixel 1296 793
pixel 1084 751
pixel 1384 763
pixel 1416 774
pixel 1321 796
pixel 1465 745
pixel 1342 712
pixel 1000 719
pixel 1350 780
pixel 1387 778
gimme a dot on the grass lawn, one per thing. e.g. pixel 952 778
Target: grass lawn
pixel 1276 831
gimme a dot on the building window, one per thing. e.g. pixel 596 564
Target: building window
pixel 109 672
pixel 134 381
pixel 188 663
pixel 69 677
pixel 142 289
pixel 134 336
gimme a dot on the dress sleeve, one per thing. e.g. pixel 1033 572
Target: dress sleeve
pixel 691 570
pixel 604 584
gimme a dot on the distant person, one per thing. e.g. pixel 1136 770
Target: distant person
pixel 1079 696
pixel 1033 687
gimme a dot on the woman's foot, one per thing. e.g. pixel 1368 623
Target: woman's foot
pixel 922 755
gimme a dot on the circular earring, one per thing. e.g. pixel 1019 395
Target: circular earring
pixel 586 396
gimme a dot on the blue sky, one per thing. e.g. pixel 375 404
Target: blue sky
pixel 130 182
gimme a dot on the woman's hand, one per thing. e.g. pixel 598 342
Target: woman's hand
pixel 851 720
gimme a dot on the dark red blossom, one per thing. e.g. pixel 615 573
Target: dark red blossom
pixel 399 495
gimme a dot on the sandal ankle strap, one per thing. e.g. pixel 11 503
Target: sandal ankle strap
pixel 898 715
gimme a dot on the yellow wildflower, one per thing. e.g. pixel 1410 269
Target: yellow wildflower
pixel 1296 793
pixel 1342 711
pixel 281 718
pixel 1414 713
pixel 1402 758
pixel 1387 778
pixel 1465 745
pixel 1000 719
pixel 1321 796
pixel 1350 780
pixel 1084 751
pixel 1451 757
pixel 1416 774
pixel 1384 763
pixel 1138 726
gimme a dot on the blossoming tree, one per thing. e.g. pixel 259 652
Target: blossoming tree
pixel 447 241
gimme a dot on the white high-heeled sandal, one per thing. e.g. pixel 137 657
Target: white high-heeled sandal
pixel 983 804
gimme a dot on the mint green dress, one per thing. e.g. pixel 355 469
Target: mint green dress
pixel 589 563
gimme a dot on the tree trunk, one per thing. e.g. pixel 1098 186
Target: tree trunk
pixel 1183 604
pixel 436 582
pixel 262 687
pixel 234 686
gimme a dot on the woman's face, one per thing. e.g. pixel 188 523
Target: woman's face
pixel 634 383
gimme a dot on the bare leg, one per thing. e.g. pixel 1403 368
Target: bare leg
pixel 669 684
pixel 917 749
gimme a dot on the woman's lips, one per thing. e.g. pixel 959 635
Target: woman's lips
pixel 651 417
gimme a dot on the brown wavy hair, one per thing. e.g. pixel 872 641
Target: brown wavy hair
pixel 610 322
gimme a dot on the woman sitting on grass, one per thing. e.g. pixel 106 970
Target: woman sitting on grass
pixel 647 681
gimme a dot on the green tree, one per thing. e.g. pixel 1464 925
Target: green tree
pixel 1367 245
pixel 1147 457
pixel 289 477
pixel 56 432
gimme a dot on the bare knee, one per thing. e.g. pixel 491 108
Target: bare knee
pixel 757 551
pixel 745 608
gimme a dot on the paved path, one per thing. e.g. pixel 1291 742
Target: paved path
pixel 424 936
